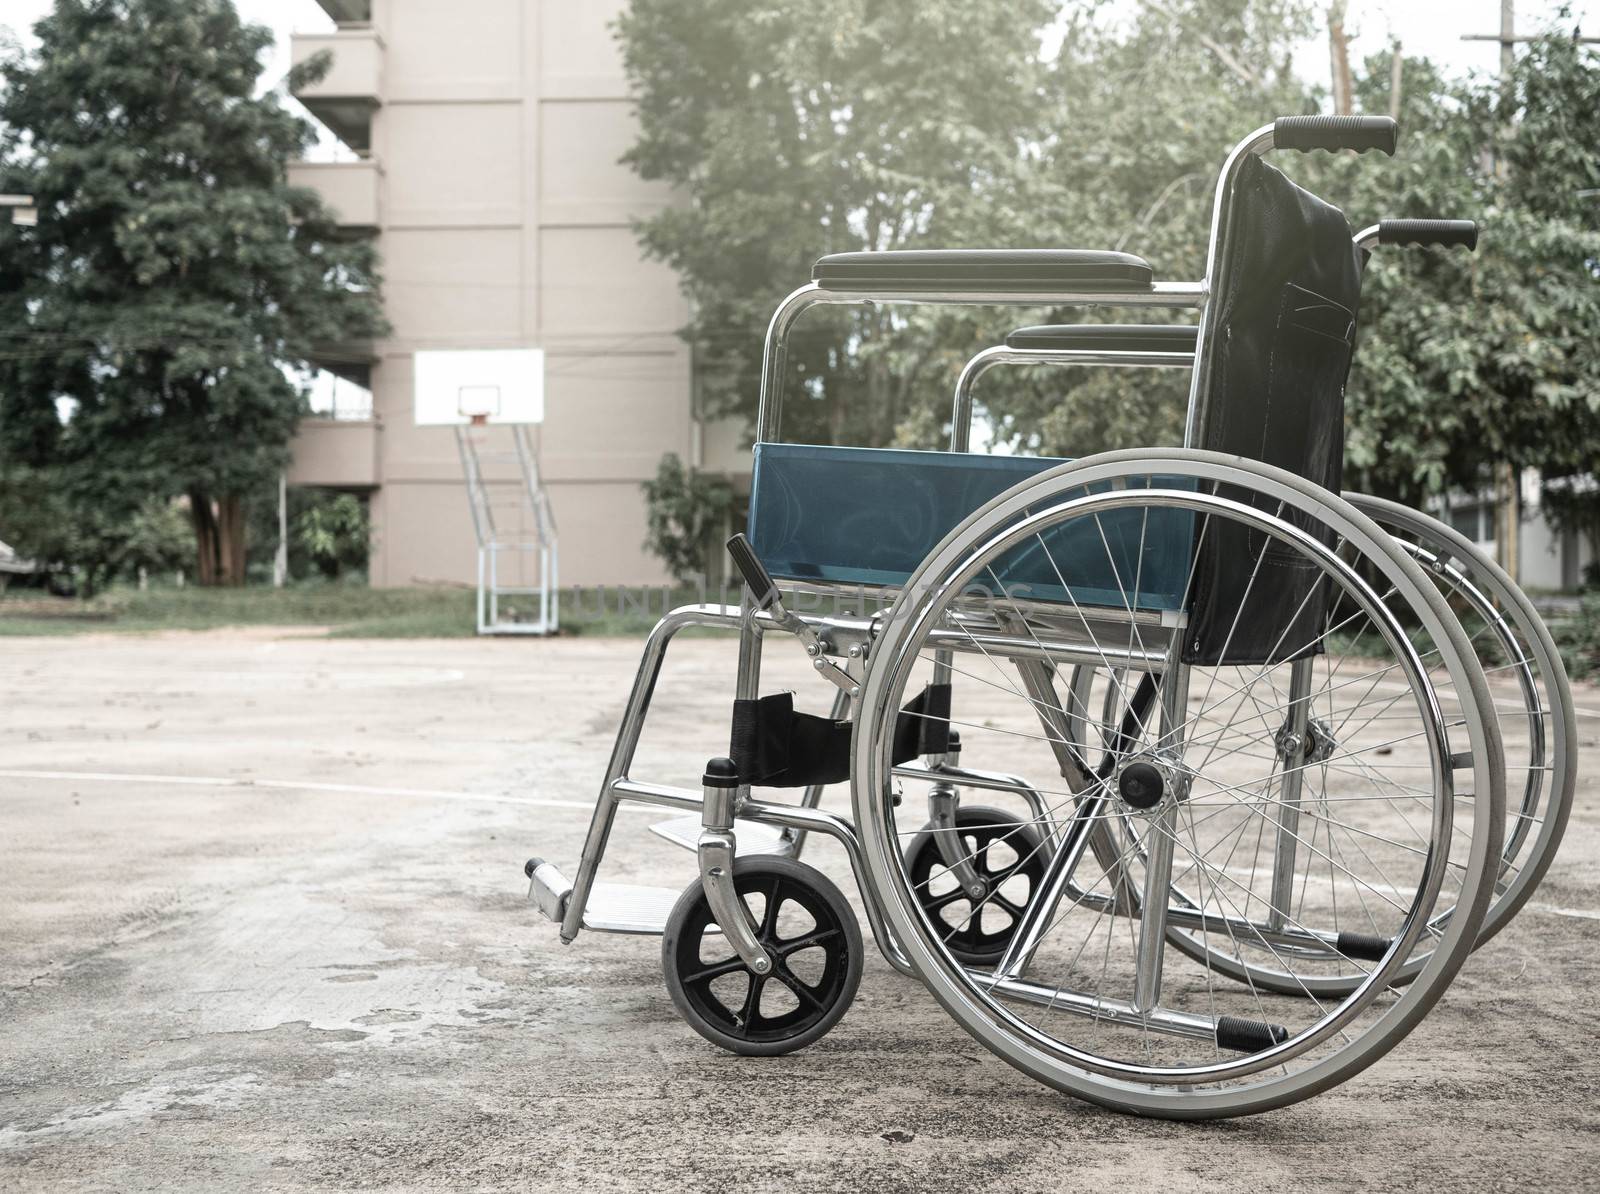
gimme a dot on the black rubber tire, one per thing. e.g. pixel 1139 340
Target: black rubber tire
pixel 779 880
pixel 969 943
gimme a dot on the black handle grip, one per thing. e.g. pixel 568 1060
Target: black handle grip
pixel 1359 133
pixel 1428 232
pixel 756 578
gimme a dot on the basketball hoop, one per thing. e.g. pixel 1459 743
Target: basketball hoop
pixel 475 392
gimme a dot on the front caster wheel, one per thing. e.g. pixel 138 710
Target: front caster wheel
pixel 806 926
pixel 1007 854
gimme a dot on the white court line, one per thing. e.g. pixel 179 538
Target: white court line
pixel 1580 913
pixel 1576 913
pixel 295 785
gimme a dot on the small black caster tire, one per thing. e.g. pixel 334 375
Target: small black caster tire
pixel 747 1029
pixel 969 942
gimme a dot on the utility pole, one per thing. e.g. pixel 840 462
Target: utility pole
pixel 280 558
pixel 1508 32
pixel 1510 478
pixel 1339 60
pixel 1396 61
pixel 1507 481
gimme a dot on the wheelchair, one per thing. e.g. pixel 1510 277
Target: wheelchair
pixel 1173 776
pixel 1537 719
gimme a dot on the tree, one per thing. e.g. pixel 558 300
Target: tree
pixel 792 130
pixel 1143 112
pixel 174 276
pixel 1470 361
pixel 84 547
pixel 795 128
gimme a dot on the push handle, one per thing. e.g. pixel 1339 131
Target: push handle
pixel 1428 232
pixel 756 578
pixel 1359 133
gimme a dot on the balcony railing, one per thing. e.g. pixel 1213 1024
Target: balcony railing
pixel 347 11
pixel 350 189
pixel 346 96
pixel 338 453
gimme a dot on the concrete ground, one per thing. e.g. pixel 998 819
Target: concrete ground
pixel 262 926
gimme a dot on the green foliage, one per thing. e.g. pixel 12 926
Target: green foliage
pixel 794 128
pixel 1579 638
pixel 685 512
pixel 346 611
pixel 83 543
pixel 332 533
pixel 160 539
pixel 174 275
pixel 1469 360
pixel 38 522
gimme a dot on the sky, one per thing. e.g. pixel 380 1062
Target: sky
pixel 1431 28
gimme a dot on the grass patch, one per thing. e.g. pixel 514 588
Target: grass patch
pixel 348 611
pixel 131 611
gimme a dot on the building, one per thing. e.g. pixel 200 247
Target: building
pixel 1548 558
pixel 484 138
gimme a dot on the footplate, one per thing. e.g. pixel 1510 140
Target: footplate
pixel 627 908
pixel 612 907
pixel 754 838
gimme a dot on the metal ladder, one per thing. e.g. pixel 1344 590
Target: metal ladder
pixel 517 559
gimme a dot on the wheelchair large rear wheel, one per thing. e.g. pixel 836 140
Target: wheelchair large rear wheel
pixel 1530 697
pixel 1303 805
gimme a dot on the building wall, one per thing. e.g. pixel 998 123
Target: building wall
pixel 505 223
pixel 1548 559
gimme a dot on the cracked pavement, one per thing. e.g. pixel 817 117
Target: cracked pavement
pixel 262 925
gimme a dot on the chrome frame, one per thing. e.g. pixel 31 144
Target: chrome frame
pixel 1001 354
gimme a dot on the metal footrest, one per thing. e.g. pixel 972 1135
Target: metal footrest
pixel 612 907
pixel 753 837
pixel 548 888
pixel 626 908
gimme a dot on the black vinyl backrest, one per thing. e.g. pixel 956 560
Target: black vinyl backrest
pixel 1283 336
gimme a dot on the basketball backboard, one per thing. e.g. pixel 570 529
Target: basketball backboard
pixel 496 385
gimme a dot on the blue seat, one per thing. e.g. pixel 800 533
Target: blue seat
pixel 869 516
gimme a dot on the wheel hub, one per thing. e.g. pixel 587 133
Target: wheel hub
pixel 1144 781
pixel 1316 745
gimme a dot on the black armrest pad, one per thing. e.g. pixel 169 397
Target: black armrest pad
pixel 981 270
pixel 1106 337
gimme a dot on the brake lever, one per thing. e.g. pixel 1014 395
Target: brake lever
pixel 764 594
